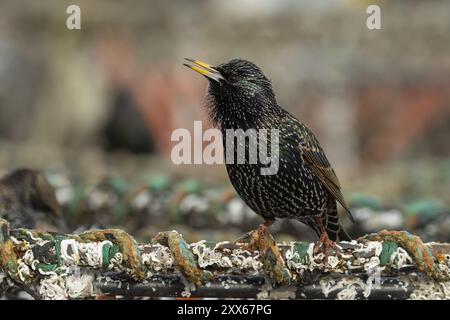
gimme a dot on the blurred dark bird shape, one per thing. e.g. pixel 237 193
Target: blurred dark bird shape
pixel 305 187
pixel 125 128
pixel 27 200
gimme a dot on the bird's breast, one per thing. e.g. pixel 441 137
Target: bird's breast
pixel 292 191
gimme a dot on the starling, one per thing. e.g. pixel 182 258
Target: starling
pixel 305 187
pixel 27 200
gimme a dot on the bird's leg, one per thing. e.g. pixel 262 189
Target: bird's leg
pixel 263 236
pixel 270 254
pixel 265 225
pixel 324 244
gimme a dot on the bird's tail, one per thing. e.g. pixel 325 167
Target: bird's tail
pixel 335 232
pixel 342 235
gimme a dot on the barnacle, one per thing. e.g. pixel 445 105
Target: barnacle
pixel 72 267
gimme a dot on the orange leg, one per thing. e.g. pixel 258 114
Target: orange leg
pixel 324 244
pixel 265 225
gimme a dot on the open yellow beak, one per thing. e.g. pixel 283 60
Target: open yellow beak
pixel 204 69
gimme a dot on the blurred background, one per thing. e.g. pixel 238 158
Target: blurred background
pixel 94 108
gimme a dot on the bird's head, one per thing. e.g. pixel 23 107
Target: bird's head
pixel 238 91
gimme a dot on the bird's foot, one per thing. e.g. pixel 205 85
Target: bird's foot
pixel 325 246
pixel 250 239
pixel 261 240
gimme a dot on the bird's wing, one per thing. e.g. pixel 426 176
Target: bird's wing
pixel 314 156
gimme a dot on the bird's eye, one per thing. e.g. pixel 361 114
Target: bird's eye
pixel 232 78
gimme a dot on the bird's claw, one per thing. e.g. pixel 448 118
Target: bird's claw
pixel 251 238
pixel 325 246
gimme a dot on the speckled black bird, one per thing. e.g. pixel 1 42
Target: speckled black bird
pixel 305 187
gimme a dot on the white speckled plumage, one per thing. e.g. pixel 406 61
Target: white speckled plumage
pixel 305 186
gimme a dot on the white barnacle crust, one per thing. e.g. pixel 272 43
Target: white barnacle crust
pixel 28 257
pixel 53 288
pixel 444 266
pixel 77 273
pixel 400 258
pixel 15 241
pixel 69 252
pixel 293 259
pixel 431 290
pixel 445 289
pixel 374 247
pixel 312 259
pixel 373 264
pixel 160 258
pixel 92 253
pixel 24 264
pixel 245 260
pixel 23 271
pixel 80 286
pixel 347 294
pixel 38 240
pixel 347 287
pixel 209 257
pixel 333 262
pixel 116 260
